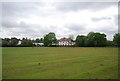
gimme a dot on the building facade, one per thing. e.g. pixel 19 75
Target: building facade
pixel 66 42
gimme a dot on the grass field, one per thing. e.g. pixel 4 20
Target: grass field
pixel 60 63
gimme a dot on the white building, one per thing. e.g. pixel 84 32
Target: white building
pixel 66 42
pixel 19 42
pixel 38 44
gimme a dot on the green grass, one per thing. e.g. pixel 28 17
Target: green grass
pixel 60 63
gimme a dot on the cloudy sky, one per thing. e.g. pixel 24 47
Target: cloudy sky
pixel 35 19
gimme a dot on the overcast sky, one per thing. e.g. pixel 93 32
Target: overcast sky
pixel 34 20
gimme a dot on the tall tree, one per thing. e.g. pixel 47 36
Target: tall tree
pixel 50 39
pixel 46 40
pixel 41 40
pixel 90 39
pixel 96 39
pixel 37 40
pixel 26 42
pixel 116 39
pixel 5 42
pixel 80 40
pixel 13 42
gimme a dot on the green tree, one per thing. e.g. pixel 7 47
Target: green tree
pixel 13 42
pixel 96 39
pixel 116 39
pixel 50 39
pixel 39 40
pixel 5 42
pixel 46 40
pixel 80 40
pixel 26 43
pixel 90 39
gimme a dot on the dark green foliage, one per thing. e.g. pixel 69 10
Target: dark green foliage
pixel 46 40
pixel 80 40
pixel 50 39
pixel 96 39
pixel 5 43
pixel 26 43
pixel 92 40
pixel 10 42
pixel 39 40
pixel 116 39
pixel 13 42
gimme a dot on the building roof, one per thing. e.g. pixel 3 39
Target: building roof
pixel 64 39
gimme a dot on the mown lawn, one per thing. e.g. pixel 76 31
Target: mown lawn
pixel 60 63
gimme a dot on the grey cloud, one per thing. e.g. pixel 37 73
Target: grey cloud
pixel 28 31
pixel 75 27
pixel 13 24
pixel 102 18
pixel 116 19
pixel 19 8
pixel 74 6
pixel 32 30
pixel 12 11
pixel 107 30
pixel 8 24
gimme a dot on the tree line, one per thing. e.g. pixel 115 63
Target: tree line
pixel 93 39
pixel 97 40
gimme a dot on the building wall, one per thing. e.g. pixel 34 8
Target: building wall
pixel 38 44
pixel 19 42
pixel 66 43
